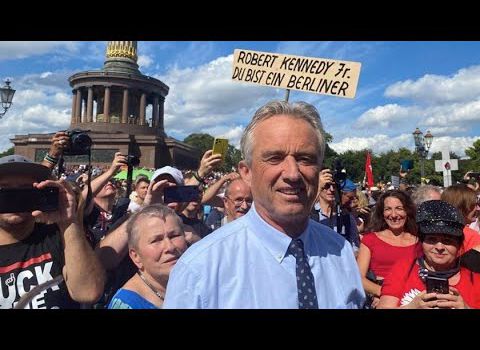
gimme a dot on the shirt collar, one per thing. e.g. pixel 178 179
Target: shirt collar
pixel 275 241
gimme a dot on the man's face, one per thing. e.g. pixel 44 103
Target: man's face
pixel 348 198
pixel 327 192
pixel 238 201
pixel 283 175
pixel 141 189
pixel 16 181
pixel 108 190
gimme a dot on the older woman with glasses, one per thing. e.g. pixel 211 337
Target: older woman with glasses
pixel 435 279
pixel 393 237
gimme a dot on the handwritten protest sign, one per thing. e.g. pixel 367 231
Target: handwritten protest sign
pixel 317 75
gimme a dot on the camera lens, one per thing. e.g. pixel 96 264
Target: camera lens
pixel 82 141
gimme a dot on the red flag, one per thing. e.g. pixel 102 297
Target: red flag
pixel 368 170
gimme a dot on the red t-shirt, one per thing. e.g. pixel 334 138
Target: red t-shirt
pixel 384 255
pixel 405 284
pixel 472 239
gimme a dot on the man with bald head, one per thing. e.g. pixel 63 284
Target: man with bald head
pixel 237 199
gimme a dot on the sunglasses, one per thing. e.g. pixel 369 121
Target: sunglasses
pixel 327 186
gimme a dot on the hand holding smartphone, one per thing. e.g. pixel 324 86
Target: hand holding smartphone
pixel 20 200
pixel 220 146
pixel 181 194
pixel 437 285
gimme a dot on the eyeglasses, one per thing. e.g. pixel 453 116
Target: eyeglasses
pixel 239 202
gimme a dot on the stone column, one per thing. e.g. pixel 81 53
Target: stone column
pixel 90 105
pixel 106 105
pixel 78 106
pixel 74 104
pixel 155 111
pixel 160 114
pixel 143 105
pixel 125 106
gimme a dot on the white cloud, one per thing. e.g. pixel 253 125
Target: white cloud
pixel 204 98
pixel 23 49
pixel 386 116
pixel 144 61
pixel 435 89
pixel 37 118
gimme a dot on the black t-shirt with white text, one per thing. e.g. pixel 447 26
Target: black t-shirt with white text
pixel 31 262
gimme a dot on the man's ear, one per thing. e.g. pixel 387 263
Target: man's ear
pixel 135 258
pixel 245 172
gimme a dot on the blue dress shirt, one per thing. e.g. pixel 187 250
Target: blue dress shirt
pixel 245 264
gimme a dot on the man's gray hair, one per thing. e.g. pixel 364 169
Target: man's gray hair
pixel 150 211
pixel 300 110
pixel 423 193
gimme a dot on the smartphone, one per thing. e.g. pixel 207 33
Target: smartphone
pixel 181 194
pixel 220 146
pixel 437 285
pixel 19 200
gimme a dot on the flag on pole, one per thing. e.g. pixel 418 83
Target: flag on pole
pixel 368 170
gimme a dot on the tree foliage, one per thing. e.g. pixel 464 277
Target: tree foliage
pixel 8 152
pixel 387 164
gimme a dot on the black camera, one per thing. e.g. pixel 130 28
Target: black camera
pixel 80 143
pixel 339 172
pixel 132 160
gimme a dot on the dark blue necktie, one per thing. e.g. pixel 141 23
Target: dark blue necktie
pixel 307 296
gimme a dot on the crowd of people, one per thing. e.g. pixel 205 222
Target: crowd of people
pixel 280 231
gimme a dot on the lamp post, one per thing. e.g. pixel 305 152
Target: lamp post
pixel 422 146
pixel 6 93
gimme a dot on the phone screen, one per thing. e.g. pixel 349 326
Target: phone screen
pixel 19 200
pixel 181 194
pixel 437 285
pixel 220 146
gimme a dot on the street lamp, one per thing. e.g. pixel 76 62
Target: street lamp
pixel 422 146
pixel 7 96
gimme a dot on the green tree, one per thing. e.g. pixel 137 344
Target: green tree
pixel 203 142
pixel 474 154
pixel 8 152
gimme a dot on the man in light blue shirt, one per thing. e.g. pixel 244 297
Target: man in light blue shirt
pixel 255 261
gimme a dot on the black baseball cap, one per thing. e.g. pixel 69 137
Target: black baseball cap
pixel 19 165
pixel 439 217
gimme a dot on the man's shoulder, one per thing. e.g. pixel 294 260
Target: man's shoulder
pixel 325 234
pixel 217 241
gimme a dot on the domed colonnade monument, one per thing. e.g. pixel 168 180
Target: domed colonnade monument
pixel 122 110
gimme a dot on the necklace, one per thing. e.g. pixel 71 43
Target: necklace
pixel 157 293
pixel 423 272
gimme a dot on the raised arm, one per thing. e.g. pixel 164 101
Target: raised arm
pixel 207 164
pixel 83 272
pixel 97 184
pixel 59 141
pixel 213 189
pixel 114 247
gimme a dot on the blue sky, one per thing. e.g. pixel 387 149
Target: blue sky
pixel 403 85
